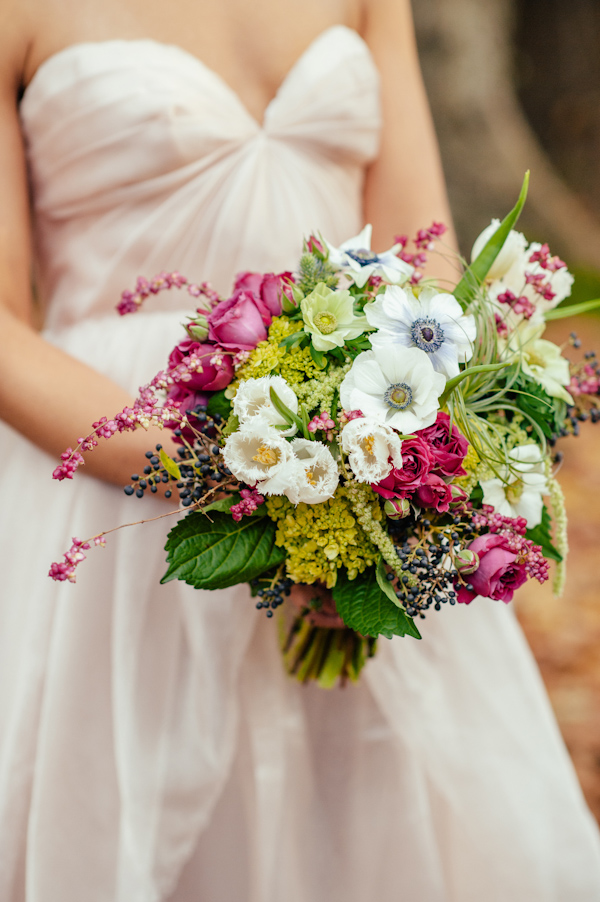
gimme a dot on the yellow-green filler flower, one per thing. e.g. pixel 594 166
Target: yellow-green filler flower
pixel 329 317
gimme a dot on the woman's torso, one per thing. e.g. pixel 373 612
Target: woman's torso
pixel 143 157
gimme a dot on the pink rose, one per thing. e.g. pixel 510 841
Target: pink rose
pixel 417 461
pixel 269 288
pixel 217 368
pixel 449 447
pixel 434 493
pixel 499 572
pixel 239 322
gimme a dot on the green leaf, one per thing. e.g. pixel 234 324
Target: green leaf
pixel 383 583
pixel 222 504
pixel 221 553
pixel 231 426
pixel 365 608
pixel 295 338
pixel 531 399
pixel 288 415
pixel 479 268
pixel 572 309
pixel 318 357
pixel 541 535
pixel 219 404
pixel 169 465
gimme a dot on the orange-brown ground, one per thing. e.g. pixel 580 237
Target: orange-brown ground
pixel 565 633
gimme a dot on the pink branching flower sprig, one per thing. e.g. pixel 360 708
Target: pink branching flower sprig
pixel 251 499
pixel 322 423
pixel 65 569
pixel 131 301
pixel 424 242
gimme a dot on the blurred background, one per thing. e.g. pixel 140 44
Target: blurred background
pixel 515 85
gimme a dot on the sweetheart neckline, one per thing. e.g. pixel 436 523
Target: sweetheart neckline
pixel 64 52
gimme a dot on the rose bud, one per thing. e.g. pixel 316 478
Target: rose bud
pixel 397 508
pixel 314 246
pixel 459 496
pixel 466 562
pixel 198 328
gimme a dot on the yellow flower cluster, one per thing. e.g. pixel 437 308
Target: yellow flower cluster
pixel 294 364
pixel 320 538
pixel 476 470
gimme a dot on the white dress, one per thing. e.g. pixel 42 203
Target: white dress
pixel 152 747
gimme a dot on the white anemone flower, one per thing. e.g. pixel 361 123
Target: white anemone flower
pixel 372 449
pixel 360 262
pixel 397 387
pixel 259 455
pixel 540 359
pixel 511 253
pixel 316 475
pixel 433 322
pixel 519 493
pixel 329 317
pixel 252 403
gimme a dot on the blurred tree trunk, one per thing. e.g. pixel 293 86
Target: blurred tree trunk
pixel 487 143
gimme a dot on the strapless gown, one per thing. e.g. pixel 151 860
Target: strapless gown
pixel 152 747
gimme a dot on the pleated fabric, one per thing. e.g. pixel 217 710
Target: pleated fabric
pixel 152 747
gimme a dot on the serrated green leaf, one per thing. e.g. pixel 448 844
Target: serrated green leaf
pixel 383 583
pixel 365 608
pixel 479 268
pixel 542 535
pixel 169 464
pixel 221 553
pixel 219 404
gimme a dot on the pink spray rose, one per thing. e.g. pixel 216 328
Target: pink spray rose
pixel 434 493
pixel 240 322
pixel 417 461
pixel 269 287
pixel 499 572
pixel 448 446
pixel 217 368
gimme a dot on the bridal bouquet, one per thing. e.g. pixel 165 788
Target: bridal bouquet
pixel 358 429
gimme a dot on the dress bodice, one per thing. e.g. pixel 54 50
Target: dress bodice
pixel 142 158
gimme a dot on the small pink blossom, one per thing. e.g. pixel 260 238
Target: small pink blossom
pixel 321 422
pixel 65 570
pixel 251 499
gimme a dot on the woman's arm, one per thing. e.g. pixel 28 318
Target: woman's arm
pixel 405 188
pixel 45 394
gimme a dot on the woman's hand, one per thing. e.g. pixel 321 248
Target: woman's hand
pixel 319 600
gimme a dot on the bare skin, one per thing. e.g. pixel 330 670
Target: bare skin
pixel 52 398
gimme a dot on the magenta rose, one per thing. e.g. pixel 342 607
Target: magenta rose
pixel 417 461
pixel 448 446
pixel 240 322
pixel 269 287
pixel 434 493
pixel 217 368
pixel 186 400
pixel 499 572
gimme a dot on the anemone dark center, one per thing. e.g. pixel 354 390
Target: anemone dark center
pixel 363 256
pixel 399 396
pixel 427 334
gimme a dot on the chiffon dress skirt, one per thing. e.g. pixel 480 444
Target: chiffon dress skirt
pixel 152 747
